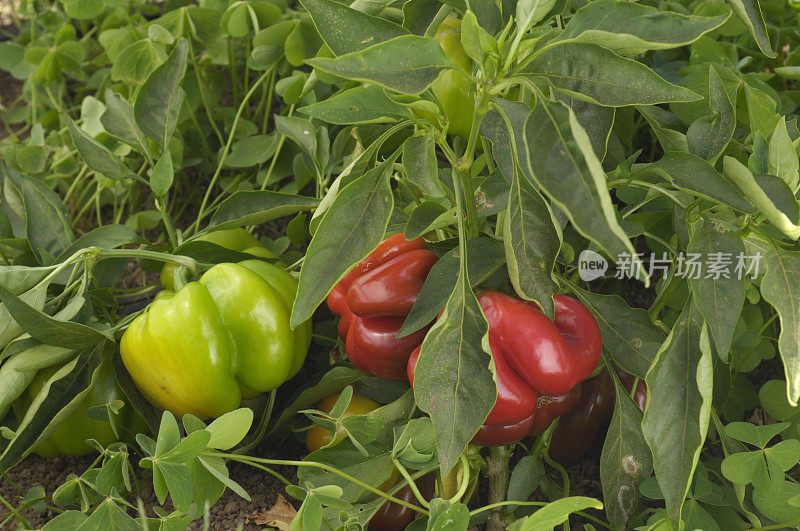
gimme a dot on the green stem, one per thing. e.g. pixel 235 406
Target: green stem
pixel 498 484
pixel 411 484
pixel 165 217
pixel 465 477
pixel 225 152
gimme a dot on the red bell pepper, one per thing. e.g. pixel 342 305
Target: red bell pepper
pixel 373 300
pixel 533 356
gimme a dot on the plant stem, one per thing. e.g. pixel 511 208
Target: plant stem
pixel 193 228
pixel 498 484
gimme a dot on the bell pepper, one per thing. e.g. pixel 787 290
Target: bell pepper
pixel 451 88
pixel 374 299
pixel 640 395
pixel 202 349
pixel 69 437
pixel 317 436
pixel 236 239
pixel 548 408
pixel 576 430
pixel 533 356
pixel 394 517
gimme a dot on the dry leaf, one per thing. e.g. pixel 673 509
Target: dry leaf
pixel 278 516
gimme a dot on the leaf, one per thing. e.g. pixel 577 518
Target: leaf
pixel 280 515
pixel 407 64
pixel 428 216
pixel 529 12
pixel 251 151
pixel 631 29
pixel 137 61
pixel 744 180
pixel 105 237
pixel 484 257
pixel 676 420
pixel 419 162
pixel 59 397
pixel 95 155
pixel 51 330
pixel 708 136
pixel 83 9
pixel 598 75
pixel 532 240
pixel 720 300
pixel 560 159
pixel 252 207
pixel 452 378
pixel 690 172
pixel 749 12
pixel 18 371
pixel 229 429
pixel 782 156
pixel 629 336
pixel 525 478
pixel 159 100
pixel 346 30
pixel 625 461
pixel 353 226
pixel 36 212
pixel 781 288
pixel 373 468
pixel 162 175
pixel 555 513
pixel 365 104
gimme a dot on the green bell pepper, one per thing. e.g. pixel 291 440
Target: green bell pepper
pixel 452 87
pixel 225 337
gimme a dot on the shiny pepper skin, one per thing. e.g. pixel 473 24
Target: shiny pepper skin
pixel 394 517
pixel 373 300
pixel 548 408
pixel 236 239
pixel 225 337
pixel 70 435
pixel 533 356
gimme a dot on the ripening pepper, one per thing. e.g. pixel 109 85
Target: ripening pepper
pixel 236 239
pixel 393 517
pixel 532 356
pixel 548 408
pixel 374 299
pixel 202 349
pixel 71 433
pixel 577 430
pixel 317 436
pixel 452 87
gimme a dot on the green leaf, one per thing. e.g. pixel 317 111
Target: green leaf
pixel 353 226
pixel 419 162
pixel 744 180
pixel 629 336
pixel 346 30
pixel 162 175
pixel 158 102
pixel 407 64
pixel 665 124
pixel 598 75
pixel 532 240
pixel 372 468
pixel 137 61
pixel 691 173
pixel 782 156
pixel 484 257
pixel 749 12
pixel 555 513
pixel 756 435
pixel 452 377
pixel 98 157
pixel 631 29
pixel 58 398
pixel 525 478
pixel 775 503
pixel 454 518
pixel 744 467
pixel 254 207
pixel 720 300
pixel 83 9
pixel 229 429
pixel 119 121
pixel 365 104
pixel 428 216
pixel 529 12
pixel 301 131
pixel 36 212
pixel 708 136
pixel 675 422
pixel 18 371
pixel 109 515
pixel 560 159
pixel 625 461
pixel 781 288
pixel 251 151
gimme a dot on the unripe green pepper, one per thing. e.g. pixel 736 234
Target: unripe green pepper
pixel 452 87
pixel 218 340
pixel 69 437
pixel 236 239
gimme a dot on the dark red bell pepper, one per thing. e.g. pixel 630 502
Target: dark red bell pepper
pixel 394 517
pixel 533 356
pixel 548 408
pixel 373 300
